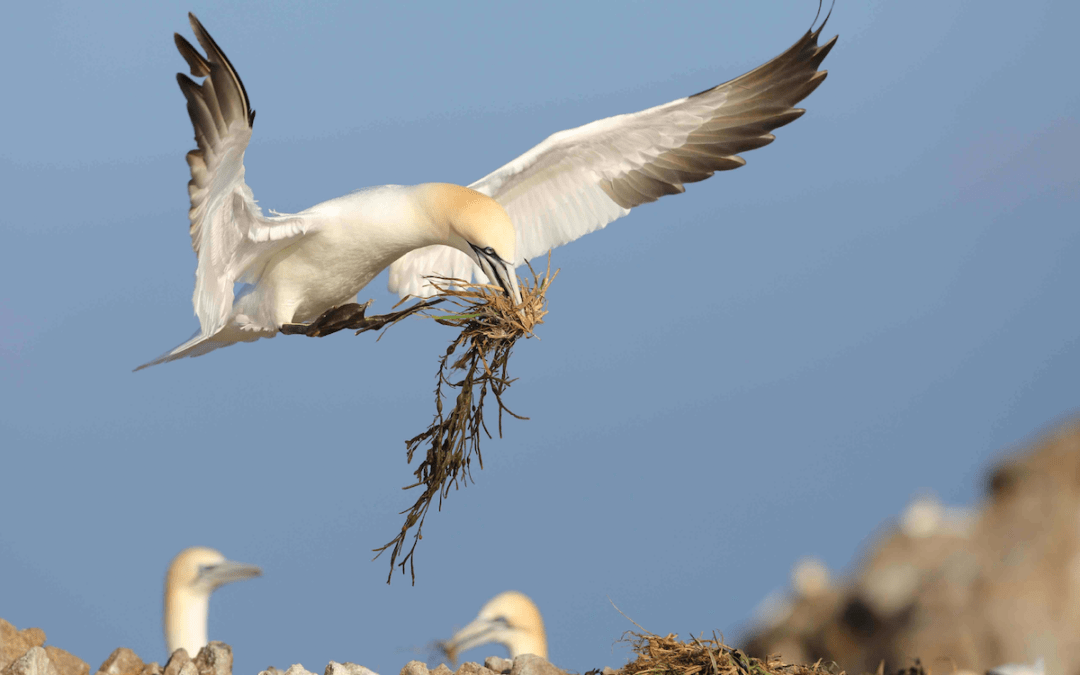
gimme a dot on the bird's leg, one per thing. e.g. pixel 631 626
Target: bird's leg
pixel 352 316
pixel 331 321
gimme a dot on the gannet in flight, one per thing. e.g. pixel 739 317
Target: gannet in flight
pixel 296 267
pixel 510 619
pixel 193 575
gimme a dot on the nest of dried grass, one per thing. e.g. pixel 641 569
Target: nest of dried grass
pixel 475 364
pixel 668 655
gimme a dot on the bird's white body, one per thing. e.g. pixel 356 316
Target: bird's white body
pixel 350 240
pixel 297 267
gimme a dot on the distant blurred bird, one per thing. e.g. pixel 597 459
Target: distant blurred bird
pixel 193 575
pixel 299 267
pixel 510 619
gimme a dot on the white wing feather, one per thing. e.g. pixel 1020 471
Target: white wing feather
pixel 230 235
pixel 579 180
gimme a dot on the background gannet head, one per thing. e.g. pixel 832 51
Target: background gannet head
pixel 481 228
pixel 193 575
pixel 511 619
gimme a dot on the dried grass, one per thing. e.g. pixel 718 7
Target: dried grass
pixel 475 364
pixel 668 655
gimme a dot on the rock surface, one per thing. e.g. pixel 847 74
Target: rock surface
pixel 122 661
pixel 335 668
pixel 498 664
pixel 470 668
pixel 974 589
pixel 22 653
pixel 214 659
pixel 180 663
pixel 14 643
pixel 531 664
pixel 67 663
pixel 34 662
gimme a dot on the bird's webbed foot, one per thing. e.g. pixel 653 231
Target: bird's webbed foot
pixel 352 316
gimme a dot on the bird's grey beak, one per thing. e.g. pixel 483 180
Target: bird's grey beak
pixel 479 632
pixel 499 272
pixel 227 572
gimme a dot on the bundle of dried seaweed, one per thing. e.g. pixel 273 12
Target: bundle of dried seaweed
pixel 709 656
pixel 475 364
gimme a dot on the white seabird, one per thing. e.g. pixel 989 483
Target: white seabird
pixel 193 575
pixel 510 619
pixel 296 267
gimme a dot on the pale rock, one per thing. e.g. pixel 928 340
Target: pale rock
pixel 347 668
pixel 15 643
pixel 177 661
pixel 122 661
pixel 67 663
pixel 297 669
pixel 608 670
pixel 442 669
pixel 531 664
pixel 35 636
pixel 152 668
pixel 470 668
pixel 415 668
pixel 34 662
pixel 214 659
pixel 270 670
pixel 498 664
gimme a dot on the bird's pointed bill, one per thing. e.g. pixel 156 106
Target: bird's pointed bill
pixel 478 632
pixel 500 273
pixel 227 572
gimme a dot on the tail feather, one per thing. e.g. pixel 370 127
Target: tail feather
pixel 198 345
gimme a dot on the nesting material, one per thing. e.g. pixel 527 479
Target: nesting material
pixel 670 656
pixel 475 365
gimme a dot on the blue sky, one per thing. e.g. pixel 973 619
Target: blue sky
pixel 878 305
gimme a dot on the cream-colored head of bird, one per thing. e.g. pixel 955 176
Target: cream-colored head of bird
pixel 193 575
pixel 476 221
pixel 510 619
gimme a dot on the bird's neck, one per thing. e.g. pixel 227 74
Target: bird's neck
pixel 185 621
pixel 445 203
pixel 526 643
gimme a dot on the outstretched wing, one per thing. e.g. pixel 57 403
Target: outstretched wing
pixel 229 233
pixel 579 180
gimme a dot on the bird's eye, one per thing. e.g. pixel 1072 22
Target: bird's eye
pixel 489 251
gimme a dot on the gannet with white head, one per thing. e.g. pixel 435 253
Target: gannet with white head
pixel 295 267
pixel 510 619
pixel 193 575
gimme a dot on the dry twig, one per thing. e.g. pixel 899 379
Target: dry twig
pixel 490 324
pixel 705 656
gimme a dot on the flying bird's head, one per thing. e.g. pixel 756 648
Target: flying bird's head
pixel 510 619
pixel 481 228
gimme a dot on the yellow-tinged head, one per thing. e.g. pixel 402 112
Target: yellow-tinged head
pixel 193 575
pixel 480 227
pixel 511 619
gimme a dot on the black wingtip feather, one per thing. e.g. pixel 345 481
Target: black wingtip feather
pixel 816 33
pixel 198 65
pixel 211 45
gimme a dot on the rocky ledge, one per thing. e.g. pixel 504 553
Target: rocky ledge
pixel 23 653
